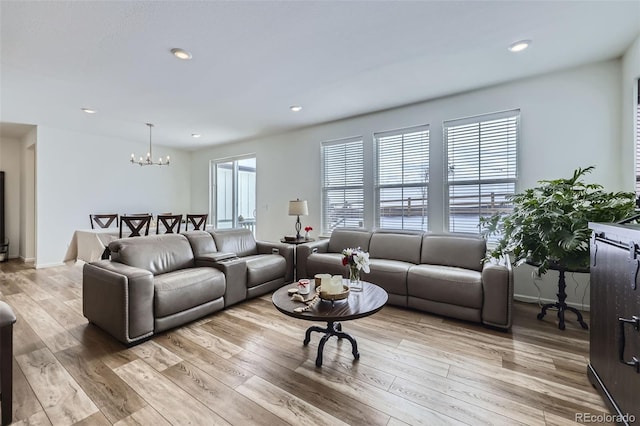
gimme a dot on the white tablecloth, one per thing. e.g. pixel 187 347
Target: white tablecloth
pixel 89 244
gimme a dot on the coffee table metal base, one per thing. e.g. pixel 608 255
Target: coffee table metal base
pixel 333 329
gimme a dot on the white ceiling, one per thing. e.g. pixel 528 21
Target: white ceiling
pixel 252 60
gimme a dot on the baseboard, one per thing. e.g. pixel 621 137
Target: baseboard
pixel 27 259
pixel 532 299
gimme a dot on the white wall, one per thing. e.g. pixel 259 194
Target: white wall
pixel 10 163
pixel 569 119
pixel 79 174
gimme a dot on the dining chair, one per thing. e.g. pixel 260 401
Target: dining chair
pixel 138 224
pixel 170 222
pixel 198 221
pixel 103 220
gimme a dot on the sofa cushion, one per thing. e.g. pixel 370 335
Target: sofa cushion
pixel 158 254
pixel 346 238
pixel 238 240
pixel 459 250
pixel 181 290
pixel 263 268
pixel 396 246
pixel 325 263
pixel 388 274
pixel 202 242
pixel 446 284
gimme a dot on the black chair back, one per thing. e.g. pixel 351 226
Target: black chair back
pixel 199 221
pixel 170 222
pixel 103 220
pixel 138 225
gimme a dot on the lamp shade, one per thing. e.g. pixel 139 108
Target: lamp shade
pixel 298 208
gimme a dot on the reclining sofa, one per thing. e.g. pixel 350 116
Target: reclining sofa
pixel 445 274
pixel 155 283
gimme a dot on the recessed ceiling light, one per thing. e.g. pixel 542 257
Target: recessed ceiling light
pixel 89 110
pixel 295 108
pixel 519 45
pixel 195 135
pixel 181 53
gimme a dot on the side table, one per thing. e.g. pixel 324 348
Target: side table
pixel 561 305
pixel 295 244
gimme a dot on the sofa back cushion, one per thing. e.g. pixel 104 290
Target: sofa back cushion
pixel 348 238
pixel 404 246
pixel 156 253
pixel 202 242
pixel 238 240
pixel 460 250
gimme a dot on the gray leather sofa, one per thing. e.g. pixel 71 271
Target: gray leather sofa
pixel 155 283
pixel 440 273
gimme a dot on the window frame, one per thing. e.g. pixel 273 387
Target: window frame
pixel 326 228
pixel 480 181
pixel 403 134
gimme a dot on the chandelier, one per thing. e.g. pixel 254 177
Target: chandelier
pixel 149 161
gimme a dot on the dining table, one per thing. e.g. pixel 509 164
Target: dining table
pixel 88 245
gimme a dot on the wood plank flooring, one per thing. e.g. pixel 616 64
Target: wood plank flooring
pixel 247 366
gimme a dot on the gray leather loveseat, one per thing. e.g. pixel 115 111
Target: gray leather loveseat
pixel 440 273
pixel 155 283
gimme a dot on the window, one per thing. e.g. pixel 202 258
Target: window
pixel 234 193
pixel 402 178
pixel 482 168
pixel 342 184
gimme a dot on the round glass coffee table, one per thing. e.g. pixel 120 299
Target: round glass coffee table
pixel 358 305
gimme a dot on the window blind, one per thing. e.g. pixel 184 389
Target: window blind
pixel 482 168
pixel 402 178
pixel 342 184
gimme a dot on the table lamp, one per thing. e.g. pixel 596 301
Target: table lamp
pixel 298 208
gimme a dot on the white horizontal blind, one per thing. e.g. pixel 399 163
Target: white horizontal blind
pixel 342 184
pixel 402 178
pixel 482 168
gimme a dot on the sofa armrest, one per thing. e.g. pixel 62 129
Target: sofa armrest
pixel 284 250
pixel 235 274
pixel 119 299
pixel 497 286
pixel 303 252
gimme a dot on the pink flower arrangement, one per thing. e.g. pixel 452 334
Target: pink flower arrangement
pixel 308 228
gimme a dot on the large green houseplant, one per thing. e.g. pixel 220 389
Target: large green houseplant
pixel 549 223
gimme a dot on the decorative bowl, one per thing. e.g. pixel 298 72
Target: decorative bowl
pixel 338 296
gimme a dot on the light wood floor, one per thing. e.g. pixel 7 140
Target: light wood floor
pixel 246 365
